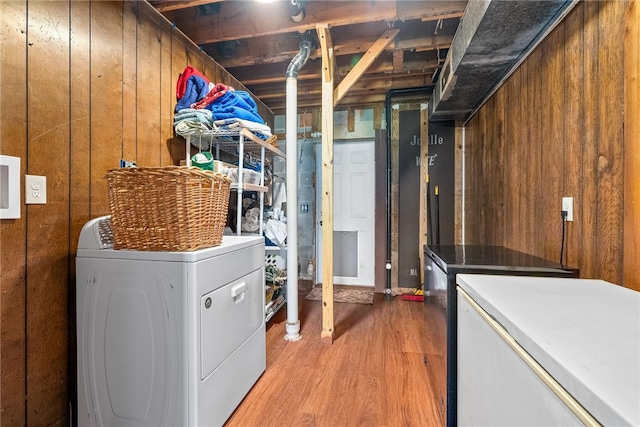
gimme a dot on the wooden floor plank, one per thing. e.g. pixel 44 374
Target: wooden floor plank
pixel 373 374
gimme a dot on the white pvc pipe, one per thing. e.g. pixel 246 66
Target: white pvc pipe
pixel 293 323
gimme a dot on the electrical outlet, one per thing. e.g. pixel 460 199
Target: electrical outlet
pixel 35 190
pixel 567 205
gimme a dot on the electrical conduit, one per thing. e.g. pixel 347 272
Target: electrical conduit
pixel 293 323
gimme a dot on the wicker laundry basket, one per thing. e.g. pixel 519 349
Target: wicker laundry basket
pixel 167 208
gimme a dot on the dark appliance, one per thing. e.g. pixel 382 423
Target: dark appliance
pixel 441 264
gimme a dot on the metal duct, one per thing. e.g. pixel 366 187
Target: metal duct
pixel 494 36
pixel 293 323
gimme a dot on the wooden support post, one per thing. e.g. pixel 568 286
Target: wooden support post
pixel 424 173
pixel 398 60
pixel 326 45
pixel 395 193
pixel 378 111
pixel 631 252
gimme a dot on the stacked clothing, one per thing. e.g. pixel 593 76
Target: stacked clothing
pixel 260 129
pixel 235 104
pixel 195 91
pixel 191 87
pixel 188 121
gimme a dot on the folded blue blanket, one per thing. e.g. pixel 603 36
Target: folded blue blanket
pixel 196 89
pixel 236 112
pixel 235 104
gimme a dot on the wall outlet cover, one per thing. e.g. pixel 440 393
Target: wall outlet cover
pixel 35 190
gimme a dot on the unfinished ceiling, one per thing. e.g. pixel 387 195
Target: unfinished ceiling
pixel 405 44
pixel 256 41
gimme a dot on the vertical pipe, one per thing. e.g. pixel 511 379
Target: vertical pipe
pixel 291 91
pixel 240 185
pixel 437 197
pixel 293 323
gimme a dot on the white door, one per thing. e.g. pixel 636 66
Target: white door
pixel 353 214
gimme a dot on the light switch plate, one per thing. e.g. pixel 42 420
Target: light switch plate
pixel 35 190
pixel 567 206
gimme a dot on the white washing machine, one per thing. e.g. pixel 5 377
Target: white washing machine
pixel 167 338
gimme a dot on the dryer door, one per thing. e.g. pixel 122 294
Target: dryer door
pixel 229 315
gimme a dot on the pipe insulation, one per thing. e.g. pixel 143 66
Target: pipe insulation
pixel 291 148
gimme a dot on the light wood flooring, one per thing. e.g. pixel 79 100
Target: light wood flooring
pixel 374 373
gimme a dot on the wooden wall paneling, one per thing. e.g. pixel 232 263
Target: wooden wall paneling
pixel 611 140
pixel 522 160
pixel 527 164
pixel 178 63
pixel 481 176
pixel 457 200
pixel 491 169
pixel 80 51
pixel 631 259
pixel 511 194
pixel 573 128
pixel 106 99
pixel 515 126
pixel 13 236
pixel 78 159
pixel 485 176
pixel 536 146
pixel 129 81
pixel 471 235
pixel 500 167
pixel 195 56
pixel 148 94
pixel 47 225
pixel 167 101
pixel 590 221
pixel 552 154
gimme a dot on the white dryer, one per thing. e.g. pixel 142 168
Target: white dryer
pixel 167 338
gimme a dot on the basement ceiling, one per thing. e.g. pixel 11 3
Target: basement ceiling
pixel 256 41
pixel 406 44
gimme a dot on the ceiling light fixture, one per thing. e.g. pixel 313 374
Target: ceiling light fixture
pixel 297 11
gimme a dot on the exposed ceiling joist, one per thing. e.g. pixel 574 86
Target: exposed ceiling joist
pixel 169 5
pixel 255 42
pixel 244 19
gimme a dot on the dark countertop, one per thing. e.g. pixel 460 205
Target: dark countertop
pixel 452 258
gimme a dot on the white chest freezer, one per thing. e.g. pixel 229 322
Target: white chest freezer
pixel 547 352
pixel 167 338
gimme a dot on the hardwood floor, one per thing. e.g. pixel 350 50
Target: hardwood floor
pixel 373 374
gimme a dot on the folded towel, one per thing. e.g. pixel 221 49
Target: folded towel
pixel 248 124
pixel 239 98
pixel 189 127
pixel 203 116
pixel 235 104
pixel 235 112
pixel 196 89
pixel 181 85
pixel 215 92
